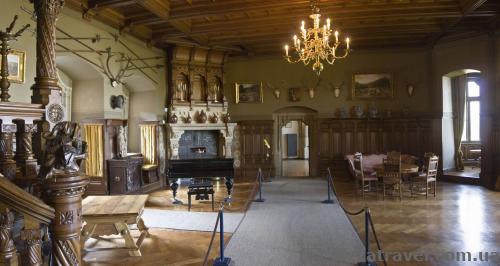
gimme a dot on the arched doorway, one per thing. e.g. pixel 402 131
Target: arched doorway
pixel 461 126
pixel 294 138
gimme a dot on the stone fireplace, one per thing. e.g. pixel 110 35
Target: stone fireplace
pixel 191 141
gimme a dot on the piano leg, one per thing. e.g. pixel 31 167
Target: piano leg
pixel 174 186
pixel 229 186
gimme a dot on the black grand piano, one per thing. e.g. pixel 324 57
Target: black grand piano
pixel 200 168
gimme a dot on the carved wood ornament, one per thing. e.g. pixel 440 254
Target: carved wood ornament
pixel 46 71
pixel 64 186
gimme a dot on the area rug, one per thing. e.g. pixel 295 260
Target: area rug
pixel 293 227
pixel 191 221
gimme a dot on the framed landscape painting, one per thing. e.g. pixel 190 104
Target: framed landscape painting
pixel 16 60
pixel 372 86
pixel 248 92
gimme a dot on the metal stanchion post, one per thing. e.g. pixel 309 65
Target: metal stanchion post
pixel 222 261
pixel 260 199
pixel 367 241
pixel 329 200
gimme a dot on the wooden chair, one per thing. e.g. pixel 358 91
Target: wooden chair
pixel 427 177
pixel 391 177
pixel 363 178
pixel 394 155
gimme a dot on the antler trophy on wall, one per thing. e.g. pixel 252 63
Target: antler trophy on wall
pixel 116 79
pixel 6 37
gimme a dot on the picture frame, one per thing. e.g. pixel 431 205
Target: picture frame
pixel 371 86
pixel 16 61
pixel 249 92
pixel 294 94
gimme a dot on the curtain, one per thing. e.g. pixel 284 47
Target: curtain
pixel 95 158
pixel 148 144
pixel 458 86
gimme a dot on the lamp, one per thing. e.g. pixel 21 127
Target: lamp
pixel 313 44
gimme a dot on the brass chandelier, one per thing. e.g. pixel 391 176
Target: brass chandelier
pixel 313 45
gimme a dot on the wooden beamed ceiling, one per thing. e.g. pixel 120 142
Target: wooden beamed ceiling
pixel 264 26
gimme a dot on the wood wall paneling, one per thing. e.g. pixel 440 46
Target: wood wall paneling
pixel 339 137
pixel 253 150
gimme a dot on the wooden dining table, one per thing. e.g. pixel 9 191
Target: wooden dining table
pixel 406 168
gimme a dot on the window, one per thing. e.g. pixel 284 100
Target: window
pixel 472 116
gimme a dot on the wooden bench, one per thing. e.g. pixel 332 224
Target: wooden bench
pixel 118 212
pixel 201 190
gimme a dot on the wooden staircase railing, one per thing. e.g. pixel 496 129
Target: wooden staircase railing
pixel 36 214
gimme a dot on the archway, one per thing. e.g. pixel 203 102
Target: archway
pixel 294 138
pixel 461 124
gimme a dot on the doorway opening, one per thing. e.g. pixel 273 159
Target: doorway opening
pixel 295 148
pixel 461 126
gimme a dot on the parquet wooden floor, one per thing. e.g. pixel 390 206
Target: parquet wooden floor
pixel 462 218
pixel 172 247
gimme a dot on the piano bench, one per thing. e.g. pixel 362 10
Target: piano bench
pixel 201 190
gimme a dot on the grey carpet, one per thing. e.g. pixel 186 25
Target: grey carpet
pixel 292 227
pixel 192 221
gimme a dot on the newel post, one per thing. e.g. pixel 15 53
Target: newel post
pixel 64 186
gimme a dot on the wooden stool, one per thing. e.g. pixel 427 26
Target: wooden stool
pixel 201 190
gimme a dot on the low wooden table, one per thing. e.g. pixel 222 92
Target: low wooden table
pixel 119 212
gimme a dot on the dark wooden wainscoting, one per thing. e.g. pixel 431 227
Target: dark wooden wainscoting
pixel 338 137
pixel 494 181
pixel 253 150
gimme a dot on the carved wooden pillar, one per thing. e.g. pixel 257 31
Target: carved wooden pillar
pixel 45 90
pixel 46 71
pixel 8 251
pixel 64 192
pixel 7 164
pixel 24 148
pixel 33 240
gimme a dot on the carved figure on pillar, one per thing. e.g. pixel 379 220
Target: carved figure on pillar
pixel 8 251
pixel 7 164
pixel 64 186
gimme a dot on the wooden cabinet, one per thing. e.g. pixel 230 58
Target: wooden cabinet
pixel 125 175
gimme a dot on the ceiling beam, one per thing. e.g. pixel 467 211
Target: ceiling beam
pixel 93 4
pixel 161 9
pixel 469 6
pixel 302 7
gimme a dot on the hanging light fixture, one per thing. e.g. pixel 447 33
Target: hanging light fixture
pixel 313 44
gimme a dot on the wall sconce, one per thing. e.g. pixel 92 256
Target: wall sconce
pixel 410 89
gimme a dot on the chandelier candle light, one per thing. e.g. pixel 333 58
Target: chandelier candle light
pixel 313 45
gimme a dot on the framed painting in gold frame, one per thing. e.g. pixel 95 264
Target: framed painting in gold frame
pixel 372 86
pixel 16 62
pixel 249 92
